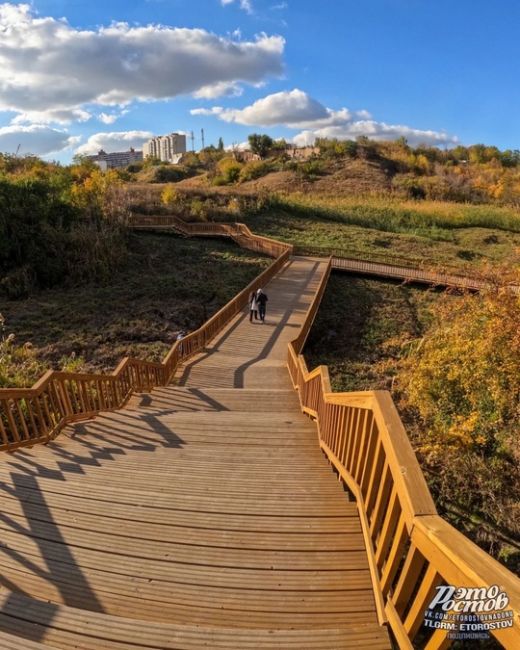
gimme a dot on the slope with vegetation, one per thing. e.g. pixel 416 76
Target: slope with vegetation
pixel 57 224
pixel 452 363
pixel 165 285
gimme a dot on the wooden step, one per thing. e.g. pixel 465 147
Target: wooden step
pixel 67 628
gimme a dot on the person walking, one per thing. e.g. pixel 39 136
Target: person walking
pixel 261 300
pixel 253 307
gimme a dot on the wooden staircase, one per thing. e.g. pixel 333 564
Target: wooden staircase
pixel 198 516
pixel 206 513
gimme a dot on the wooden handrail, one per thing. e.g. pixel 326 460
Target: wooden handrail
pixel 36 414
pixel 411 548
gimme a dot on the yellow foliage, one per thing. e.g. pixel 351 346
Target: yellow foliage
pixel 464 379
pixel 169 196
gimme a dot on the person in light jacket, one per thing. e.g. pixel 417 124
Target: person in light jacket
pixel 253 307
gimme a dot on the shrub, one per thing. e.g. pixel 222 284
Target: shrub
pixel 228 171
pixel 255 169
pixel 59 229
pixel 18 364
pixel 463 380
pixel 311 169
pixel 134 168
pixel 170 174
pixel 169 196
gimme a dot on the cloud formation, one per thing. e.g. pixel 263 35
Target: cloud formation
pixel 295 109
pixel 114 141
pixel 59 116
pixel 376 131
pixel 37 139
pixel 246 5
pixel 50 68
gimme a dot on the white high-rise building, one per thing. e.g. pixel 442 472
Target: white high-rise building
pixel 168 148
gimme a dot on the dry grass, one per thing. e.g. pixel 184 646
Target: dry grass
pixel 168 284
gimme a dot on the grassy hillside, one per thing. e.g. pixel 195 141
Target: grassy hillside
pixel 476 174
pixel 439 235
pixel 362 329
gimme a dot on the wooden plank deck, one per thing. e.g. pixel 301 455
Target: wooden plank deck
pixel 201 516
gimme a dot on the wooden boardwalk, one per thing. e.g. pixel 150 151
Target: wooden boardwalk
pixel 203 515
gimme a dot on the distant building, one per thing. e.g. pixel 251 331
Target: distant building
pixel 168 148
pixel 245 155
pixel 115 160
pixel 302 153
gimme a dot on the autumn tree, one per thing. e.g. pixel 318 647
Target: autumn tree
pixel 463 381
pixel 260 144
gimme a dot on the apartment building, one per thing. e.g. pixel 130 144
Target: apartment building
pixel 117 159
pixel 168 148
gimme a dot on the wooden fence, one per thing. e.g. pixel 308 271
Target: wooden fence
pixel 412 550
pixel 32 415
pixel 389 266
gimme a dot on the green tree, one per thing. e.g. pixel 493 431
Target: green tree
pixel 260 144
pixel 220 145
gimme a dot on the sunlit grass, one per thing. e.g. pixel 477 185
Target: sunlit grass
pixel 394 215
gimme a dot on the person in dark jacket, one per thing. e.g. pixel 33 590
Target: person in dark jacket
pixel 261 301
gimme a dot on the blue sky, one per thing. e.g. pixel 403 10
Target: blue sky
pixel 438 72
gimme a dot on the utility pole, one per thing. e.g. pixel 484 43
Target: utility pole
pixel 202 138
pixel 192 141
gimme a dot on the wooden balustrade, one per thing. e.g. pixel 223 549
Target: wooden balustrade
pixel 32 415
pixel 411 548
pixel 239 232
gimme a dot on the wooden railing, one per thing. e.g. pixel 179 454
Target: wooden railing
pixel 33 415
pixel 412 550
pixel 387 266
pixel 239 232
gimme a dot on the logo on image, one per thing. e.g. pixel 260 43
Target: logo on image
pixel 468 612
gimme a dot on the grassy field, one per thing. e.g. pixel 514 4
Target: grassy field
pixel 168 284
pixel 440 235
pixel 363 328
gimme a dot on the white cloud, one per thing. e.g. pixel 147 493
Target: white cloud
pixel 114 141
pixel 297 110
pixel 110 118
pixel 107 118
pixel 246 5
pixel 376 131
pixel 216 110
pixel 49 67
pixel 239 146
pixel 37 139
pixel 294 108
pixel 218 90
pixel 59 116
